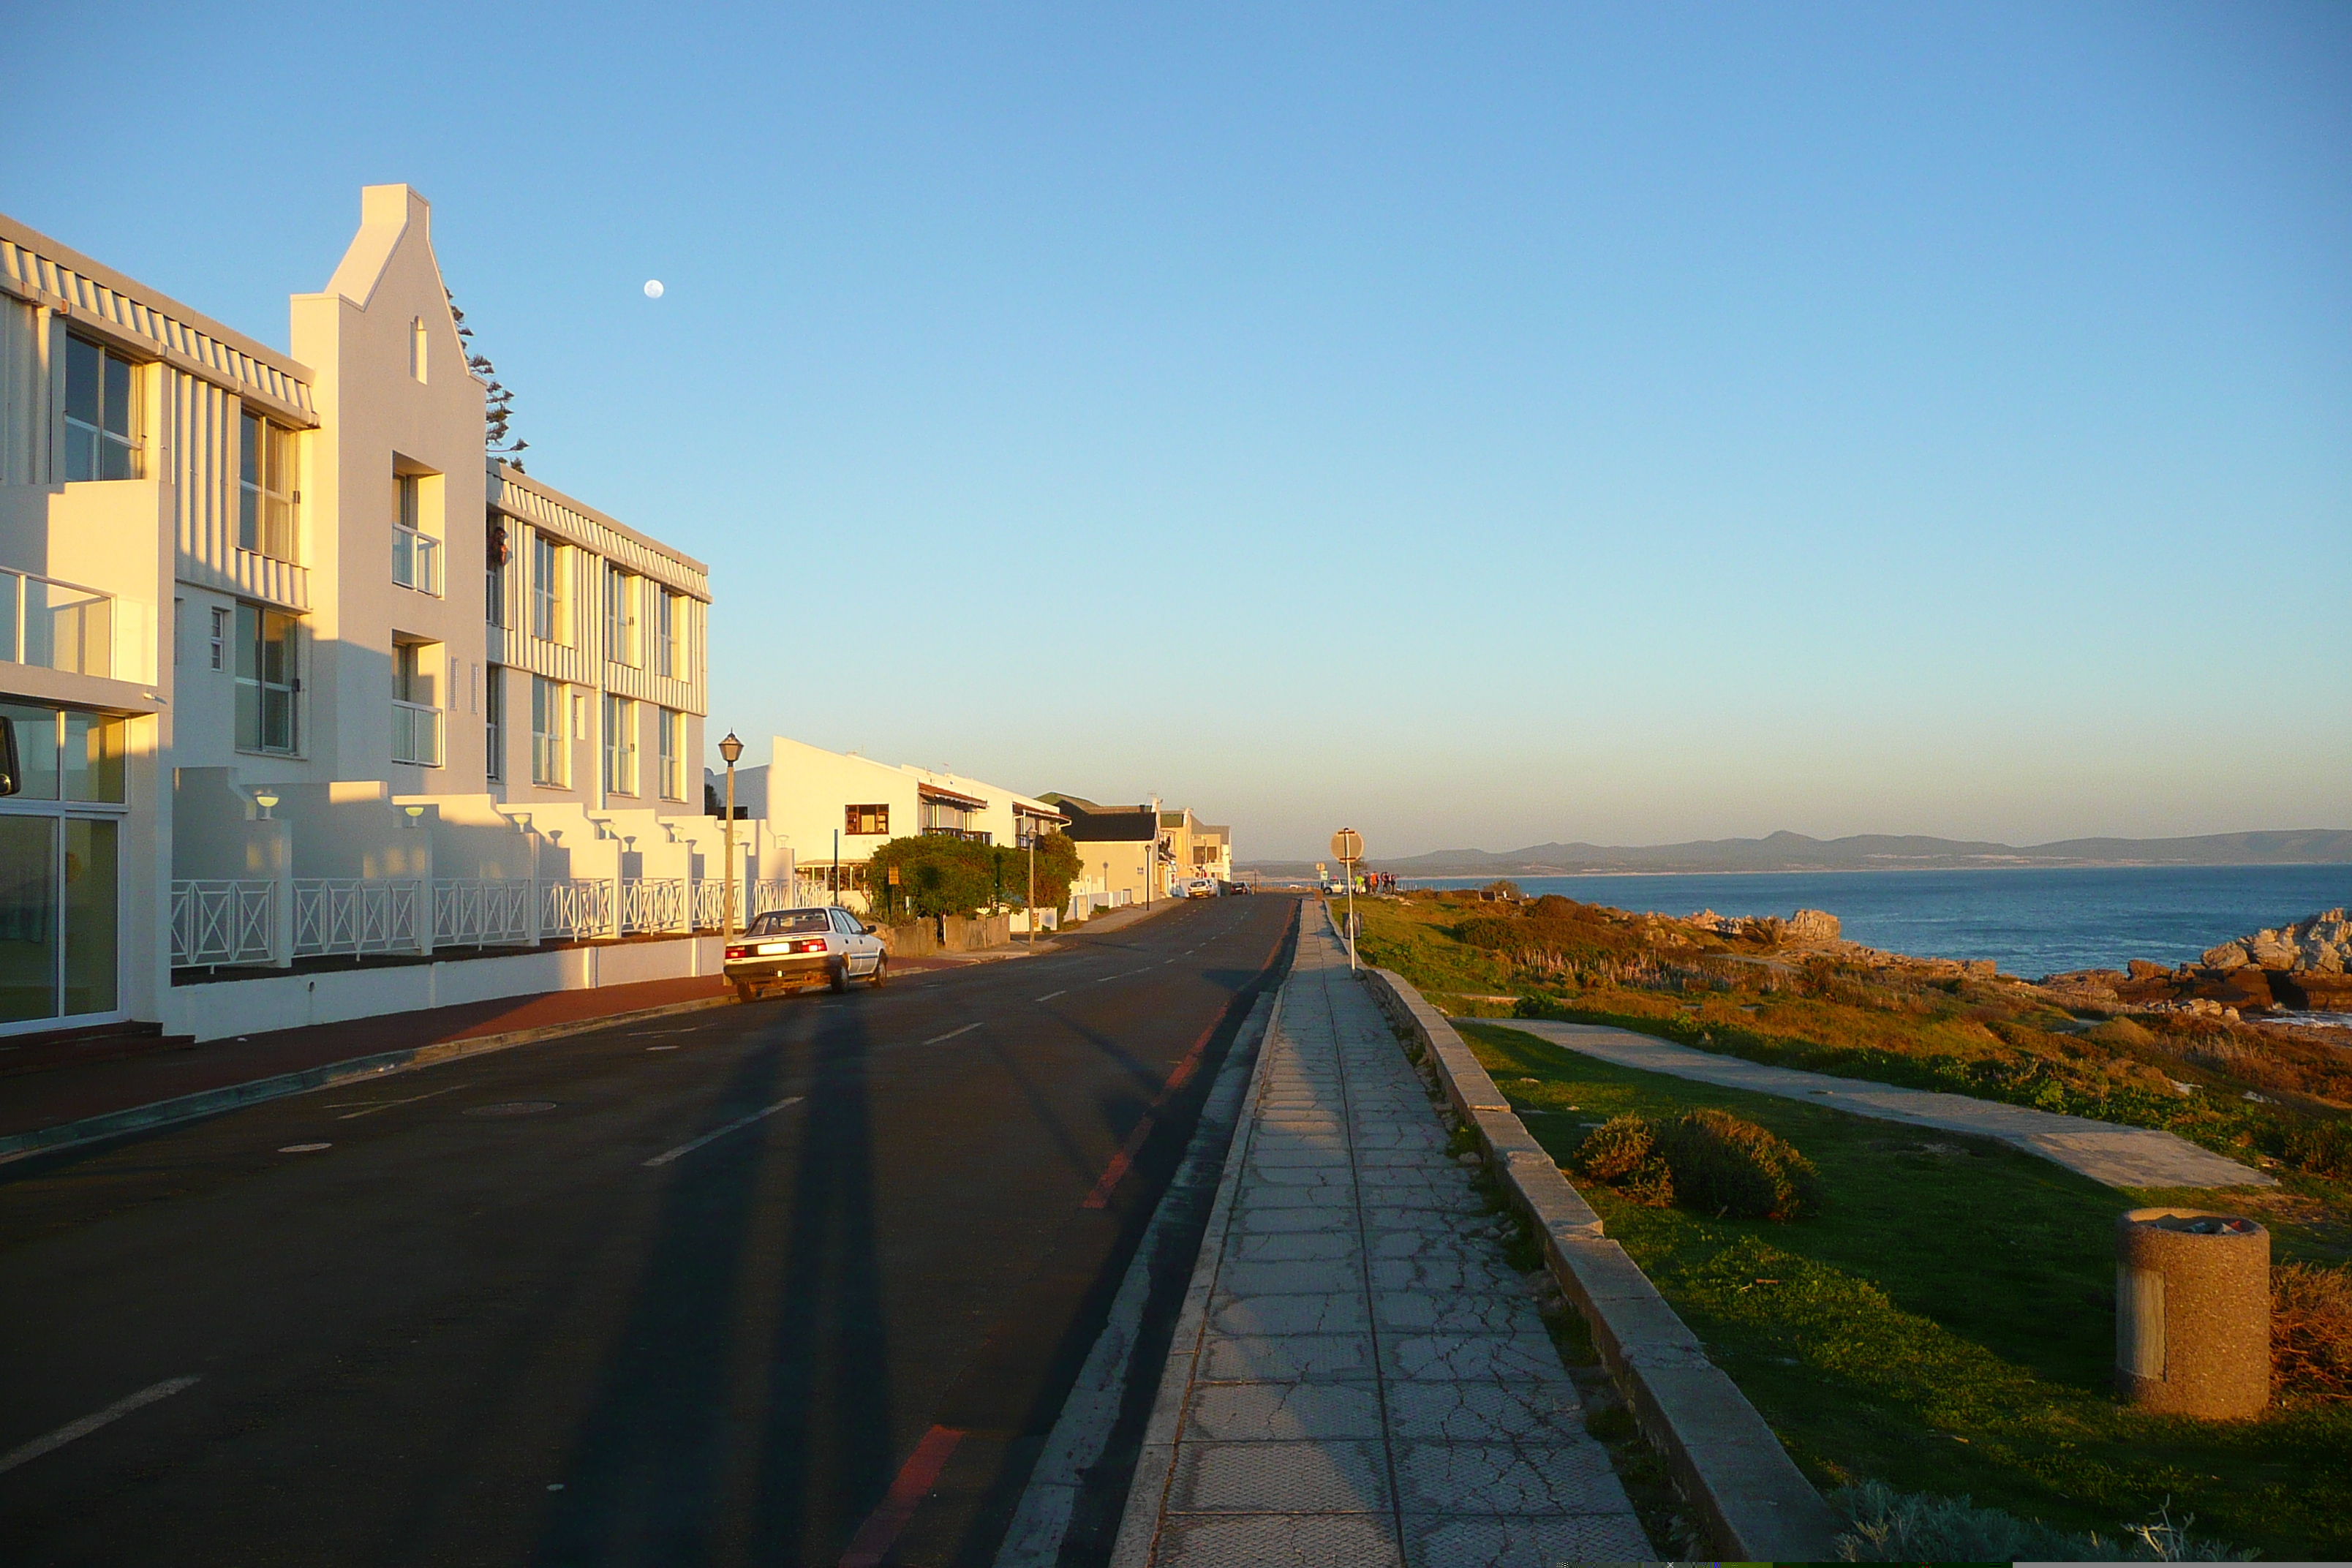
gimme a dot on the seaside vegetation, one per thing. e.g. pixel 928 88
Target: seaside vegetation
pixel 2267 1095
pixel 1935 1341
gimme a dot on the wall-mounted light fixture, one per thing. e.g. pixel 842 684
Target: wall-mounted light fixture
pixel 266 800
pixel 414 812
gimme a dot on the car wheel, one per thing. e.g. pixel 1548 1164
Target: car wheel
pixel 746 991
pixel 841 976
pixel 881 972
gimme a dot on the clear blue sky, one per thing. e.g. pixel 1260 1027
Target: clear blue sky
pixel 1483 425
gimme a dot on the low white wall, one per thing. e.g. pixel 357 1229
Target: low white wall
pixel 231 1007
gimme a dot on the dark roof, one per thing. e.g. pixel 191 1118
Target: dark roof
pixel 1107 825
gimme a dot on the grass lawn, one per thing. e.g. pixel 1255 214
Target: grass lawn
pixel 1946 1325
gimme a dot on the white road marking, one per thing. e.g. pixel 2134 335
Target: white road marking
pixel 736 1125
pixel 1051 995
pixel 661 1047
pixel 88 1424
pixel 387 1104
pixel 304 1148
pixel 951 1034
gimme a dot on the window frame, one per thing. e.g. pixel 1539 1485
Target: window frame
pixel 550 748
pixel 106 446
pixel 267 514
pixel 853 815
pixel 494 721
pixel 670 729
pixel 620 747
pixel 287 686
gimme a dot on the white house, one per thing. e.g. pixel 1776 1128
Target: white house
pixel 298 673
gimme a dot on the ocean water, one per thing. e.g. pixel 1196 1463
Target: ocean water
pixel 2032 923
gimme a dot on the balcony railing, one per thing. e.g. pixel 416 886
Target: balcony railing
pixel 415 733
pixel 483 912
pixel 56 626
pixel 969 834
pixel 416 560
pixel 219 922
pixel 215 922
pixel 349 915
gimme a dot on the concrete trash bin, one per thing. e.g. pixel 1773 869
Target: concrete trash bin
pixel 2193 1313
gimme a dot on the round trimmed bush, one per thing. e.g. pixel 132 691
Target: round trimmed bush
pixel 1732 1168
pixel 1616 1148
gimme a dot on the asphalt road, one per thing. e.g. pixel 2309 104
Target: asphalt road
pixel 801 1281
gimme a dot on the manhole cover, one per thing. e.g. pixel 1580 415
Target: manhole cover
pixel 512 1108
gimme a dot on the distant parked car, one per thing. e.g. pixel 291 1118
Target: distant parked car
pixel 1201 887
pixel 1236 886
pixel 788 950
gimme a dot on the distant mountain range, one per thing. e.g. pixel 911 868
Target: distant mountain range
pixel 1863 852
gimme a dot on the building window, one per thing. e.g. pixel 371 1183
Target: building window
pixel 550 605
pixel 620 746
pixel 265 523
pixel 621 618
pixel 551 754
pixel 266 681
pixel 669 620
pixel 101 413
pixel 417 342
pixel 415 555
pixel 220 638
pixel 494 577
pixel 415 706
pixel 866 820
pixel 60 873
pixel 494 720
pixel 671 725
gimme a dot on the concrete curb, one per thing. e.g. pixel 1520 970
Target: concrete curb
pixel 1041 1524
pixel 230 1097
pixel 1147 1493
pixel 1727 1464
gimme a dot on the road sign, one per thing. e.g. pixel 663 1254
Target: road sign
pixel 1347 844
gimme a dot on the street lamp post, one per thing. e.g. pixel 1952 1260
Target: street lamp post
pixel 1033 888
pixel 730 750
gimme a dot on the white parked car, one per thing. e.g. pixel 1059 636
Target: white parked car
pixel 792 949
pixel 1201 887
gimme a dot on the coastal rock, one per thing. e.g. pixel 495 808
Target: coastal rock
pixel 1817 925
pixel 2141 969
pixel 2316 944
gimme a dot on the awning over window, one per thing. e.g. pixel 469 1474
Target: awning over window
pixel 949 797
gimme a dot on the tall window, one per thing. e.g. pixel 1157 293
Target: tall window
pixel 668 621
pixel 416 709
pixel 670 725
pixel 620 746
pixel 494 575
pixel 549 601
pixel 101 413
pixel 550 756
pixel 494 719
pixel 621 617
pixel 866 821
pixel 415 555
pixel 266 523
pixel 265 679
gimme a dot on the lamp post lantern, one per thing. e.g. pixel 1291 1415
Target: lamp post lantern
pixel 730 750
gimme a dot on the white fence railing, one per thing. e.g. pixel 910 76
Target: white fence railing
pixel 223 922
pixel 482 912
pixel 652 903
pixel 348 915
pixel 576 907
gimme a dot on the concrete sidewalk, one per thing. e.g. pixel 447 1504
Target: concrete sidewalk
pixel 1359 1377
pixel 2106 1152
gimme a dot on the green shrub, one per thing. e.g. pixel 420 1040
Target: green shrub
pixel 1650 1183
pixel 2121 1032
pixel 1725 1165
pixel 1616 1148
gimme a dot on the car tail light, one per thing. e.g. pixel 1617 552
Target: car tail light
pixel 739 953
pixel 813 945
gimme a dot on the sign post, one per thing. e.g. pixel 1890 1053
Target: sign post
pixel 1347 848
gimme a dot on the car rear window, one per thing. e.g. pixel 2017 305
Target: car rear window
pixel 783 923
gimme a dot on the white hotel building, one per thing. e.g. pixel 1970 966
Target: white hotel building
pixel 301 681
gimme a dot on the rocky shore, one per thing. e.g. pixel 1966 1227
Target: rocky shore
pixel 2304 967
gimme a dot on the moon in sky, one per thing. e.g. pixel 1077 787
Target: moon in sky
pixel 652 288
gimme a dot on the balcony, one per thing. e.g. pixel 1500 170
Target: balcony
pixel 417 560
pixel 969 834
pixel 56 626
